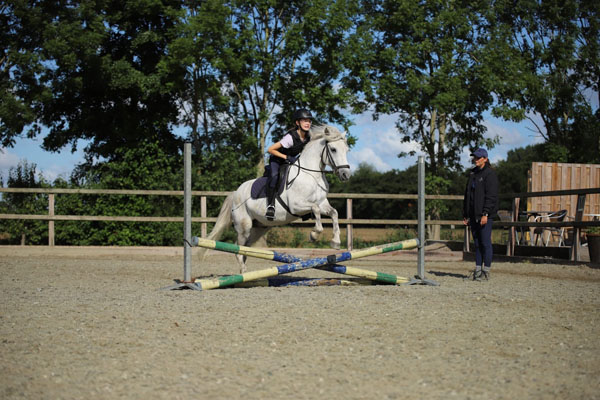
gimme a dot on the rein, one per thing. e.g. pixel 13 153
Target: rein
pixel 329 158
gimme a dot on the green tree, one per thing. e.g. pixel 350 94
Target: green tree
pixel 366 179
pixel 88 70
pixel 20 68
pixel 147 167
pixel 114 73
pixel 251 63
pixel 25 175
pixel 556 48
pixel 428 64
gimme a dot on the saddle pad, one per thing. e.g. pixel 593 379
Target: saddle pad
pixel 259 187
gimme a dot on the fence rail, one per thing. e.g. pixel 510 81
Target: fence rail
pixel 577 223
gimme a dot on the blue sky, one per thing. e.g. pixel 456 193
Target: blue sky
pixel 378 144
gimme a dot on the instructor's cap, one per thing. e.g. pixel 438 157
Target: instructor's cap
pixel 480 152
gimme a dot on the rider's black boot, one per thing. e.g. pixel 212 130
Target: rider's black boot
pixel 270 203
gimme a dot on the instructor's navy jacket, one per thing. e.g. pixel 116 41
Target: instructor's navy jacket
pixel 481 194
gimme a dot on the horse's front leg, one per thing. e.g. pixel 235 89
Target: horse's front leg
pixel 333 214
pixel 316 232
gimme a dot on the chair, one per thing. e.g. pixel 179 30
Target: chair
pixel 557 216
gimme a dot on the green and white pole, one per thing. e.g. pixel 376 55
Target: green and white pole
pixel 207 284
pixel 288 258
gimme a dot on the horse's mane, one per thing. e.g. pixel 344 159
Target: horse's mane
pixel 328 132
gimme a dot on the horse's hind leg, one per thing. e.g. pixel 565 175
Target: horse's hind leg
pixel 243 227
pixel 249 238
pixel 256 234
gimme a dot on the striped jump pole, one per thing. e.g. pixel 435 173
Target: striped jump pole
pixel 286 281
pixel 244 250
pixel 207 284
pixel 365 273
pixel 288 258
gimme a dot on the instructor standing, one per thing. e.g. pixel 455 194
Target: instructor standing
pixel 480 205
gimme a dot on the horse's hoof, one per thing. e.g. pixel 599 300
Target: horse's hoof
pixel 335 245
pixel 313 236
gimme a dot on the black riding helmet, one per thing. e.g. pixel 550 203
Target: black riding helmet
pixel 302 113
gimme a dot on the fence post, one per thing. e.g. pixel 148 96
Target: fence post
pixel 575 252
pixel 51 222
pixel 203 215
pixel 349 228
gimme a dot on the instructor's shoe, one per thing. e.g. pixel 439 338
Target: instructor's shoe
pixel 485 275
pixel 477 274
pixel 270 212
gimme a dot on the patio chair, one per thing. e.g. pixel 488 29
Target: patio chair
pixel 553 232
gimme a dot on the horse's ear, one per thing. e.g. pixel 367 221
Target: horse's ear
pixel 326 131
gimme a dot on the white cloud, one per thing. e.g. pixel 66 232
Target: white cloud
pixel 54 171
pixel 379 143
pixel 8 160
pixel 368 156
pixel 509 136
pixel 50 171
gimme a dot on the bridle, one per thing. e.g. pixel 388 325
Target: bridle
pixel 325 152
pixel 330 158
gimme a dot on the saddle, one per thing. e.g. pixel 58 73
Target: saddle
pixel 259 189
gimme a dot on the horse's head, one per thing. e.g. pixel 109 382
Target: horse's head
pixel 336 151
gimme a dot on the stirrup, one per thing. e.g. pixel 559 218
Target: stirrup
pixel 270 212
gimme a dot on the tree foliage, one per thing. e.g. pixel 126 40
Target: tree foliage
pixel 88 70
pixel 426 64
pixel 555 48
pixel 113 73
pixel 135 78
pixel 24 175
pixel 249 64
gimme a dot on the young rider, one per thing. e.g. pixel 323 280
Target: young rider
pixel 286 151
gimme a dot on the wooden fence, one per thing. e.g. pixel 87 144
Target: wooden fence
pixel 547 177
pixel 204 219
pixel 577 223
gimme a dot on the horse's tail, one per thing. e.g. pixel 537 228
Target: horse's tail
pixel 223 222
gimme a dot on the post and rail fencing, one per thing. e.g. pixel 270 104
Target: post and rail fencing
pixel 204 219
pixel 577 223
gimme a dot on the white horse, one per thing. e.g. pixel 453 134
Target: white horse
pixel 305 192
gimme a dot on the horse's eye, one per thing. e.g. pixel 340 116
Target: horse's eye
pixel 333 150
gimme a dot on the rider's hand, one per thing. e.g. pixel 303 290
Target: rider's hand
pixel 291 159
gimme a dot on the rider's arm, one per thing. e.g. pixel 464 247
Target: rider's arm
pixel 274 148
